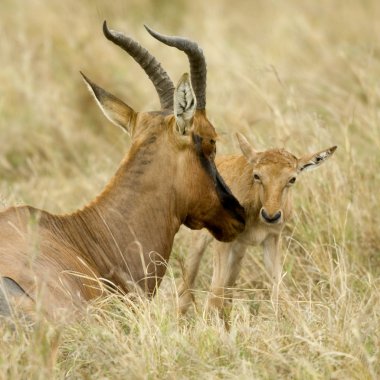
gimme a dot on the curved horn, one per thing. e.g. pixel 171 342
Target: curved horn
pixel 163 84
pixel 197 63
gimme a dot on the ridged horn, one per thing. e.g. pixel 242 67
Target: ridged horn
pixel 197 61
pixel 160 79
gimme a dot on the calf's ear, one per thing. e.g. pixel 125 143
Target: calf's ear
pixel 249 152
pixel 313 161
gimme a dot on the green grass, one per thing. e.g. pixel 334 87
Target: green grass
pixel 297 74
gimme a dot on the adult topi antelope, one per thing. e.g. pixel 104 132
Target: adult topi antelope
pixel 125 235
pixel 262 182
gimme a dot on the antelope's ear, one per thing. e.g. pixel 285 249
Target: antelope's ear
pixel 185 104
pixel 315 160
pixel 246 148
pixel 113 108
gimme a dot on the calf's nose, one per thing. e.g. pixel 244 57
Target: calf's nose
pixel 268 218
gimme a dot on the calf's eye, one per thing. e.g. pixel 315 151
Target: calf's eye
pixel 292 180
pixel 257 178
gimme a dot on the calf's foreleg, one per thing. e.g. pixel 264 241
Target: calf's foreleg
pixel 186 297
pixel 227 265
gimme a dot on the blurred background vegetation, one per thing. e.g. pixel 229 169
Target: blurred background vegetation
pixel 303 75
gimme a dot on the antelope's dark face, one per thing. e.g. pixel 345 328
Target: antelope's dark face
pixel 211 203
pixel 274 172
pixel 176 145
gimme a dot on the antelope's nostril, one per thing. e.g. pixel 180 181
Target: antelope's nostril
pixel 270 218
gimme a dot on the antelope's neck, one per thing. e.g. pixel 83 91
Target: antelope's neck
pixel 128 230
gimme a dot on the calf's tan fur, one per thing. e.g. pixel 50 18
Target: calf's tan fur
pixel 262 182
pixel 124 237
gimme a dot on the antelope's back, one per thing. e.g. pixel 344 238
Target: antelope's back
pixel 38 263
pixel 14 226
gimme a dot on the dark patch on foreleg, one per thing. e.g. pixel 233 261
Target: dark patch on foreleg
pixel 9 289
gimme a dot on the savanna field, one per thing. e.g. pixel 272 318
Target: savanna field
pixel 302 75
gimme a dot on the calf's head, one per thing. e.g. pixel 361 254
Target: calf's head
pixel 274 172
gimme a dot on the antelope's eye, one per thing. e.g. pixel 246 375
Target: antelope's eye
pixel 257 178
pixel 292 180
pixel 212 142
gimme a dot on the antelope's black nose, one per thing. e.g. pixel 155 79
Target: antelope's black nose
pixel 270 218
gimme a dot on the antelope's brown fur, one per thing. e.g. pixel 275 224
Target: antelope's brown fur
pixel 277 170
pixel 124 237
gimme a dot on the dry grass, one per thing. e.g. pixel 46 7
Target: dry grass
pixel 299 74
